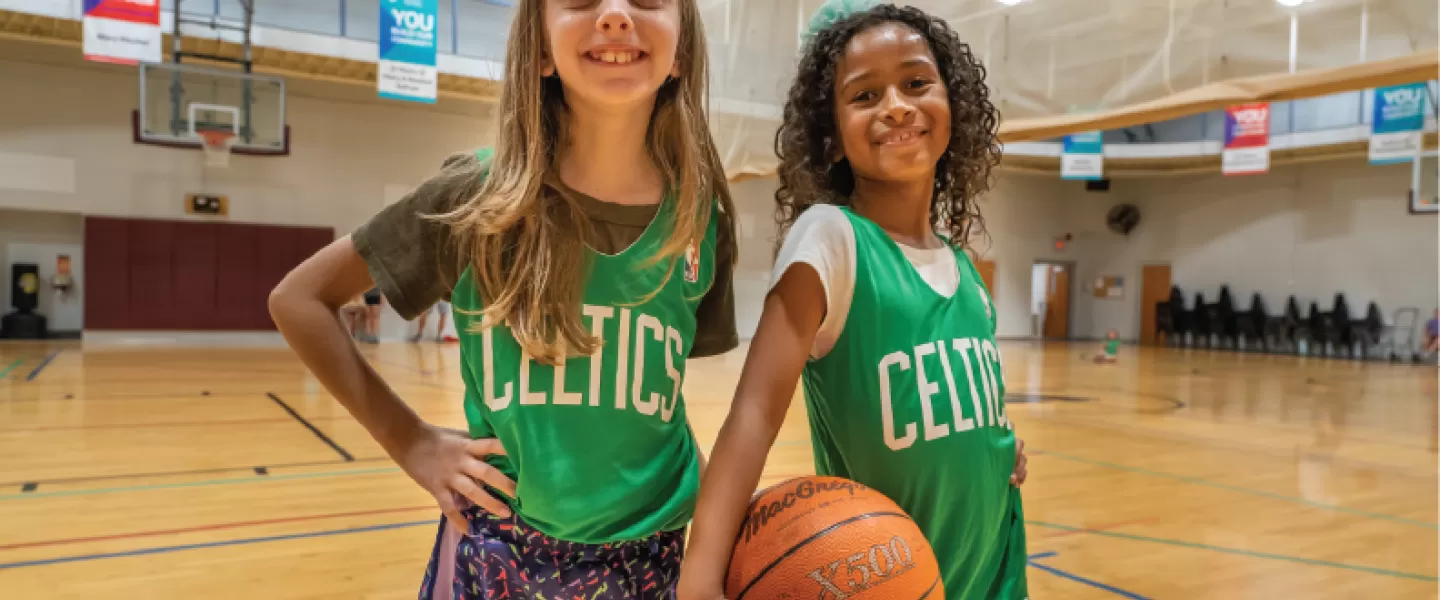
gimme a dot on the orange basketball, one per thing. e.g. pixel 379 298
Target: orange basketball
pixel 827 537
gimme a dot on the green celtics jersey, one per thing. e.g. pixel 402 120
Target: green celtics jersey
pixel 598 445
pixel 909 401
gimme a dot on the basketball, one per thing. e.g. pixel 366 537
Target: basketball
pixel 819 537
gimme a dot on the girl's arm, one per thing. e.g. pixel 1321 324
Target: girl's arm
pixel 446 463
pixel 792 316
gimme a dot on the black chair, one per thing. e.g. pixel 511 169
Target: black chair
pixel 1200 322
pixel 1368 332
pixel 1342 333
pixel 1164 322
pixel 1181 320
pixel 1290 327
pixel 1223 319
pixel 1319 326
pixel 1250 326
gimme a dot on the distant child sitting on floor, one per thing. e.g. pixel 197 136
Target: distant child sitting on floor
pixel 1112 348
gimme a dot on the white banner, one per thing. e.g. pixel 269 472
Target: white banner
pixel 124 42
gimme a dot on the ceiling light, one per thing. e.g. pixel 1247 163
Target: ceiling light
pixel 1291 3
pixel 1012 2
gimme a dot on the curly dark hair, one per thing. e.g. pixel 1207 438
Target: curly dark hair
pixel 807 140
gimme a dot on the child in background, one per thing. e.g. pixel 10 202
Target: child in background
pixel 1111 349
pixel 888 130
pixel 565 256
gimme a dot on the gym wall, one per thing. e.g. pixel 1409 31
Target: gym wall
pixel 66 145
pixel 1308 230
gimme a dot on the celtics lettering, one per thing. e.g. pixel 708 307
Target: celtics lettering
pixel 979 364
pixel 636 343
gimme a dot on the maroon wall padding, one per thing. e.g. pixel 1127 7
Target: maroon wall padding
pixel 107 273
pixel 235 287
pixel 188 275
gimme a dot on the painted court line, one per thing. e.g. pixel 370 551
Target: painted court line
pixel 1105 527
pixel 311 426
pixel 1239 552
pixel 13 365
pixel 212 527
pixel 41 367
pixel 1074 577
pixel 214 471
pixel 193 484
pixel 239 542
pixel 1234 488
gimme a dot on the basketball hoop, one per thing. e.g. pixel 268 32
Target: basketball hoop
pixel 216 143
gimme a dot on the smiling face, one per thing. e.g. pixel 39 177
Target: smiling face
pixel 891 107
pixel 612 51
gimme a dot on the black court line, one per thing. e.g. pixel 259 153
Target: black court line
pixel 308 425
pixel 86 478
pixel 44 363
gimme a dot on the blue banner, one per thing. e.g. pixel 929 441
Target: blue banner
pixel 1398 120
pixel 1083 156
pixel 408 35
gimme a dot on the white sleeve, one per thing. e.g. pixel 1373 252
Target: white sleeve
pixel 823 238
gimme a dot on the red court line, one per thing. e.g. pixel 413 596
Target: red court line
pixel 214 527
pixel 1104 527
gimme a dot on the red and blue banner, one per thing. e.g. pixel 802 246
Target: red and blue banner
pixel 122 31
pixel 1247 139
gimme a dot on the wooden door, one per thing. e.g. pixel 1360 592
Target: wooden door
pixel 1057 303
pixel 1154 287
pixel 987 275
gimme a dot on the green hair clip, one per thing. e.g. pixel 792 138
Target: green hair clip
pixel 834 11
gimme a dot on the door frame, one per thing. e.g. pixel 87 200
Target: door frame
pixel 1140 291
pixel 1070 310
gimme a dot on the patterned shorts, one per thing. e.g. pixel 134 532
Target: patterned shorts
pixel 505 559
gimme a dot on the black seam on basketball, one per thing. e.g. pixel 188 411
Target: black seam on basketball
pixel 804 542
pixel 932 588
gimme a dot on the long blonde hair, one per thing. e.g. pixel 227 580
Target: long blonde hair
pixel 526 248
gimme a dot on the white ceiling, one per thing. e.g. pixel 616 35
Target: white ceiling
pixel 1049 56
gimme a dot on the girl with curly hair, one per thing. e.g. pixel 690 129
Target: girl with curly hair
pixel 888 139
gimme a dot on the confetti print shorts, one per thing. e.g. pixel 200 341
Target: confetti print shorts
pixel 504 559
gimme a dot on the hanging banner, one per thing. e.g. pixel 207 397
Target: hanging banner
pixel 407 50
pixel 124 32
pixel 1083 156
pixel 1247 139
pixel 1397 124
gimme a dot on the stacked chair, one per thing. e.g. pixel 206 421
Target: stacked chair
pixel 1314 332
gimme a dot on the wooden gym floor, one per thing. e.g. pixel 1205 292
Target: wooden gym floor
pixel 228 473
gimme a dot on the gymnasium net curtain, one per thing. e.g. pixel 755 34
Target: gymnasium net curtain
pixel 1062 66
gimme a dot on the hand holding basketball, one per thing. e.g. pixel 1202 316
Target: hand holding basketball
pixel 451 466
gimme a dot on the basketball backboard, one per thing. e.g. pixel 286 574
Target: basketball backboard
pixel 179 103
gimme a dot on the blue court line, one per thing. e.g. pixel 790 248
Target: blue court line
pixel 1077 578
pixel 7 370
pixel 41 367
pixel 238 542
pixel 1235 488
pixel 203 483
pixel 1235 551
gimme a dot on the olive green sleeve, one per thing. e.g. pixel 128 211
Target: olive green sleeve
pixel 715 317
pixel 415 260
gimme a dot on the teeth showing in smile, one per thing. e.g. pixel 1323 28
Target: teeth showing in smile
pixel 901 138
pixel 619 58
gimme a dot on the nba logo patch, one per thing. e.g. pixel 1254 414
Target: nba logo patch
pixel 984 299
pixel 692 262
